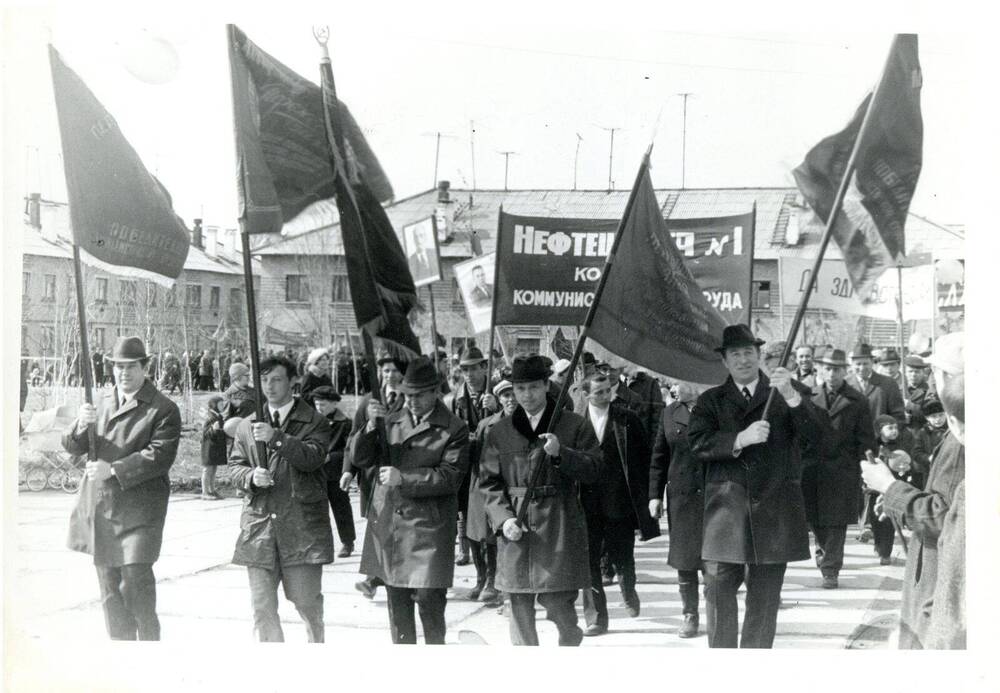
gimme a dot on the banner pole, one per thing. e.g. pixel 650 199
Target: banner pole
pixel 902 333
pixel 252 335
pixel 434 328
pixel 582 339
pixel 838 203
pixel 88 378
pixel 493 308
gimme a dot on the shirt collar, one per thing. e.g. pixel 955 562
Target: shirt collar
pixel 752 386
pixel 534 419
pixel 282 411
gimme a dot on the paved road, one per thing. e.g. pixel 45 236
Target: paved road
pixel 202 598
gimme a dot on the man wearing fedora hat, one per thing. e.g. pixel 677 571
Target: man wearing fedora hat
pixel 122 503
pixel 884 396
pixel 547 558
pixel 472 402
pixel 830 475
pixel 754 520
pixel 413 511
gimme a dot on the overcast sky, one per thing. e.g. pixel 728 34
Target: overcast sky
pixel 759 100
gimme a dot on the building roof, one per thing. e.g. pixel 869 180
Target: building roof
pixel 784 226
pixel 53 240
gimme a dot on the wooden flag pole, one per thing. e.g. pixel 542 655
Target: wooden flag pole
pixel 85 367
pixel 493 308
pixel 254 345
pixel 434 327
pixel 578 351
pixel 838 203
pixel 902 333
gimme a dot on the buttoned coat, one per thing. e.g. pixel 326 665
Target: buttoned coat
pixel 551 556
pixel 754 511
pixel 831 476
pixel 366 477
pixel 674 469
pixel 411 527
pixel 884 397
pixel 288 523
pixel 120 520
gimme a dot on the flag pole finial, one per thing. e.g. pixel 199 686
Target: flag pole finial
pixel 322 36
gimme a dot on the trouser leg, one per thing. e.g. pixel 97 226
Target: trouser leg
pixel 118 620
pixel 264 603
pixel 343 515
pixel 139 594
pixel 687 581
pixel 721 582
pixel 560 608
pixel 303 585
pixel 522 619
pixel 430 605
pixel 831 540
pixel 478 552
pixel 595 601
pixel 402 625
pixel 762 600
pixel 619 540
pixel 884 535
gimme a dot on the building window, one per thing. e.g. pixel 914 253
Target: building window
pixel 236 303
pixel 48 338
pixel 214 295
pixel 49 289
pixel 25 284
pixel 127 292
pixel 341 289
pixel 171 300
pixel 99 336
pixel 761 297
pixel 101 290
pixel 192 296
pixel 296 288
pixel 527 345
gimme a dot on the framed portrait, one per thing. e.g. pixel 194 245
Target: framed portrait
pixel 421 248
pixel 475 281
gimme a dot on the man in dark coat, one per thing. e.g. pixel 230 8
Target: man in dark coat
pixel 649 401
pixel 478 526
pixel 325 399
pixel 754 512
pixel 472 402
pixel 413 512
pixel 285 536
pixel 925 511
pixel 918 391
pixel 616 505
pixel 547 557
pixel 884 396
pixel 122 503
pixel 674 470
pixel 392 396
pixel 830 475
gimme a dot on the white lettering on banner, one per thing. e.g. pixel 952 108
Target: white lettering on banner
pixel 724 300
pixel 586 274
pixel 717 245
pixel 684 241
pixel 553 299
pixel 737 240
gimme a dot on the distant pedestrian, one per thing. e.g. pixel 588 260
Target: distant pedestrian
pixel 213 446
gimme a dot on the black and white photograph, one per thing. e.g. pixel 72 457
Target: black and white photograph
pixel 667 356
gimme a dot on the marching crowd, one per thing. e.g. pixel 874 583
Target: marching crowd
pixel 545 500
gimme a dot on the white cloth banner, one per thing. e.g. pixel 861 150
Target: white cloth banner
pixel 834 290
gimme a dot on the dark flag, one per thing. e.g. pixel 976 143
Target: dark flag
pixel 652 311
pixel 440 341
pixel 283 162
pixel 120 213
pixel 561 346
pixel 870 232
pixel 382 288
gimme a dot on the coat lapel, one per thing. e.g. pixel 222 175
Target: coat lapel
pixel 142 395
pixel 681 416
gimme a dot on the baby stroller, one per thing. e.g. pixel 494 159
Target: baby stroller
pixel 42 459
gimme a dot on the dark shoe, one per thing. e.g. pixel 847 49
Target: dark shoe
pixel 474 593
pixel 830 582
pixel 595 629
pixel 490 595
pixel 365 588
pixel 885 560
pixel 631 604
pixel 689 628
pixel 346 550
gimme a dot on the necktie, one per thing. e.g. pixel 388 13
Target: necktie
pixel 746 394
pixel 275 419
pixel 390 399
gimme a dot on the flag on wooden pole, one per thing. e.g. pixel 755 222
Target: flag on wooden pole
pixel 120 214
pixel 888 142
